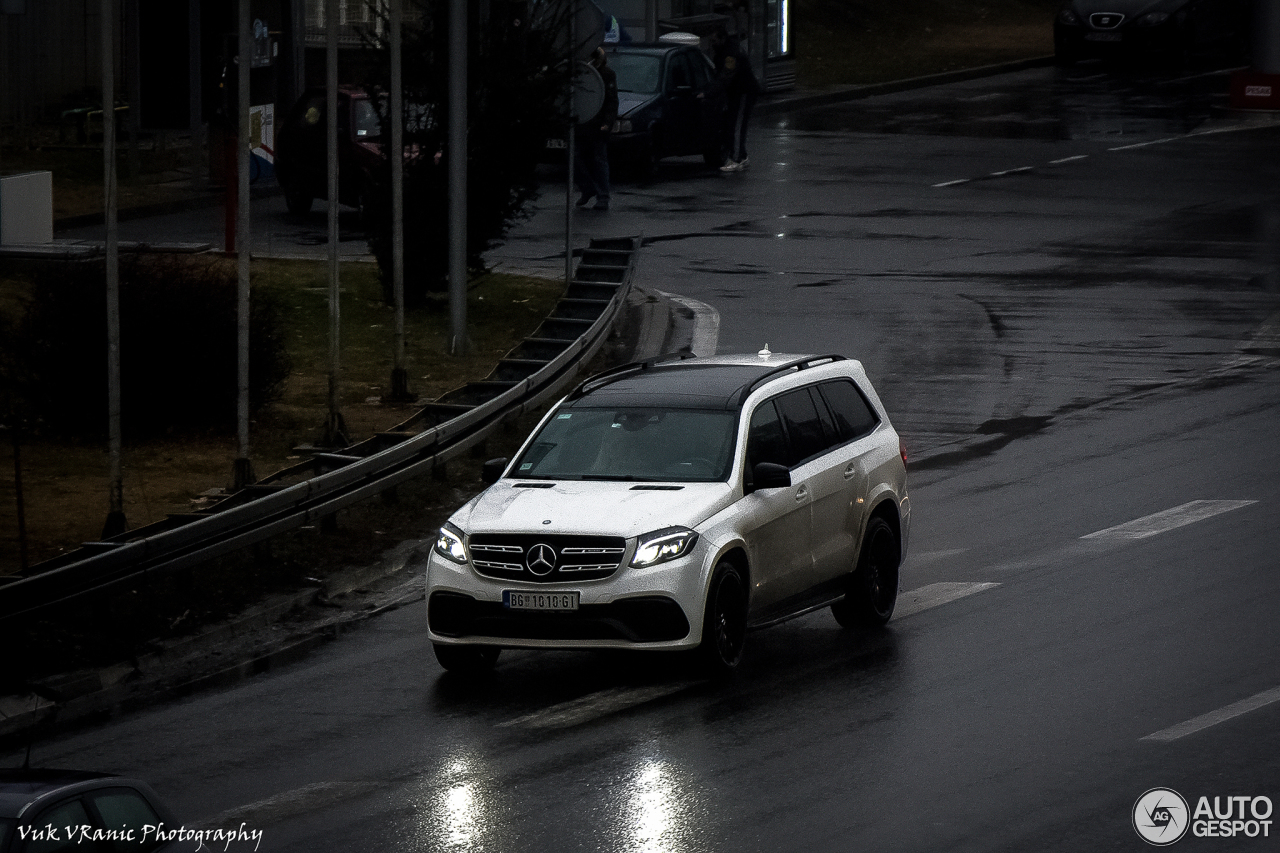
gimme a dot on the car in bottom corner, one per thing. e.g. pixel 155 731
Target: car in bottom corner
pixel 72 810
pixel 673 504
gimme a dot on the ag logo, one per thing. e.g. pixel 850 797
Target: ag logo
pixel 1161 817
pixel 541 559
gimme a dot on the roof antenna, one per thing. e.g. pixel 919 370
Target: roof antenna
pixel 764 353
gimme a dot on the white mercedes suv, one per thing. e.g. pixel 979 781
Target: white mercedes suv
pixel 674 504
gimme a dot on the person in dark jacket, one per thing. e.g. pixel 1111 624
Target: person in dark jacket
pixel 733 70
pixel 591 161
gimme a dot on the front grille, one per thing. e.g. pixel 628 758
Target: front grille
pixel 546 558
pixel 1106 20
pixel 649 619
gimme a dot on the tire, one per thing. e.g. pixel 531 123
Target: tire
pixel 298 202
pixel 873 586
pixel 466 660
pixel 645 164
pixel 724 626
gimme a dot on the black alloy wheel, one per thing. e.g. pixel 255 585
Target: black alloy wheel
pixel 724 629
pixel 873 586
pixel 466 660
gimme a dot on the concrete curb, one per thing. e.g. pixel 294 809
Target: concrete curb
pixel 852 93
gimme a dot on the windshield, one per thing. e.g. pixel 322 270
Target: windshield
pixel 636 72
pixel 651 444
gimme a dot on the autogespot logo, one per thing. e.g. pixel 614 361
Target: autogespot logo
pixel 1160 816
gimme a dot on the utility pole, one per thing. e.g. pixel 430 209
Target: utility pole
pixel 571 141
pixel 335 433
pixel 457 162
pixel 399 374
pixel 115 523
pixel 243 468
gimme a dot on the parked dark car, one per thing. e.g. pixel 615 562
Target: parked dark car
pixel 669 105
pixel 301 159
pixel 75 810
pixel 1172 31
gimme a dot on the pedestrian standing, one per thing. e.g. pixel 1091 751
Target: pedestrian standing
pixel 591 161
pixel 733 70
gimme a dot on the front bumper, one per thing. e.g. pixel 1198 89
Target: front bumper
pixel 1130 40
pixel 659 607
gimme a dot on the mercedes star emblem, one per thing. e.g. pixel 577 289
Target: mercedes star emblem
pixel 541 559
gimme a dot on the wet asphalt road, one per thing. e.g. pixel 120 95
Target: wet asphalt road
pixel 1066 287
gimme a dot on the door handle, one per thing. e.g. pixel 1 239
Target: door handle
pixel 850 471
pixel 802 493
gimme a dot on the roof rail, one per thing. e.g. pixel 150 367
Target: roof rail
pixel 798 364
pixel 615 373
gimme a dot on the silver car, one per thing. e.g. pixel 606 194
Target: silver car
pixel 674 504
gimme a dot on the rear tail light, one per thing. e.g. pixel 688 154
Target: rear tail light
pixel 902 449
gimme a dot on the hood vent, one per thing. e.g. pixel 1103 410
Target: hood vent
pixel 533 485
pixel 648 488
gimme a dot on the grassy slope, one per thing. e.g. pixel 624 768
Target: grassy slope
pixel 65 484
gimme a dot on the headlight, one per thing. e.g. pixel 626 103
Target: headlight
pixel 663 545
pixel 449 544
pixel 1152 19
pixel 1068 17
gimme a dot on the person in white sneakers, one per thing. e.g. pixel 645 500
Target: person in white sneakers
pixel 733 70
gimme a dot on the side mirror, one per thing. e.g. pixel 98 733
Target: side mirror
pixel 769 475
pixel 492 470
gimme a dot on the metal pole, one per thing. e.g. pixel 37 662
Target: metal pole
pixel 199 178
pixel 115 515
pixel 399 374
pixel 335 431
pixel 457 157
pixel 242 468
pixel 571 147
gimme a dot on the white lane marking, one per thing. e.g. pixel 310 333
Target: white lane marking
pixel 1010 171
pixel 1062 160
pixel 926 557
pixel 1169 519
pixel 935 595
pixel 1145 144
pixel 1213 718
pixel 595 705
pixel 953 183
pixel 299 801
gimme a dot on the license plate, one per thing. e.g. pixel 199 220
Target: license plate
pixel 1103 37
pixel 547 601
pixel 556 143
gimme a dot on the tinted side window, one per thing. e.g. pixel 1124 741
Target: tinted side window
pixel 765 440
pixel 677 72
pixel 804 427
pixel 71 813
pixel 853 416
pixel 125 808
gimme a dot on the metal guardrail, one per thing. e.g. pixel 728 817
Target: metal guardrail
pixel 539 368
